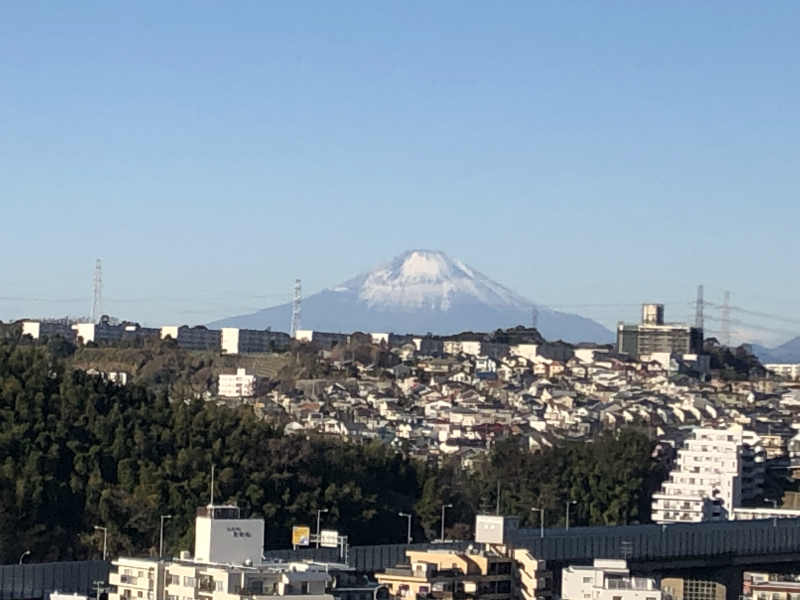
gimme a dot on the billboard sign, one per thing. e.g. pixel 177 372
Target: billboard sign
pixel 301 535
pixel 489 529
pixel 328 538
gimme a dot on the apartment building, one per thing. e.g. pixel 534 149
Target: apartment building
pixel 715 471
pixel 447 575
pixel 787 370
pixel 606 579
pixel 238 385
pixel 654 336
pixel 227 565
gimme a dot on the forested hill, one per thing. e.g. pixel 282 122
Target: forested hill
pixel 76 451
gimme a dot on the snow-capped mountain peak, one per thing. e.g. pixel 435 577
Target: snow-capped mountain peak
pixel 429 279
pixel 421 291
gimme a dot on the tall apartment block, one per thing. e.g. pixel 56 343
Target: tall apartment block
pixel 654 336
pixel 716 471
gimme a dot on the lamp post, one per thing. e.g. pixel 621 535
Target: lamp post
pixel 444 507
pixel 774 502
pixel 407 516
pixel 23 555
pixel 161 535
pixel 105 538
pixel 569 502
pixel 319 514
pixel 541 520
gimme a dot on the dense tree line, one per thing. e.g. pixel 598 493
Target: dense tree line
pixel 77 451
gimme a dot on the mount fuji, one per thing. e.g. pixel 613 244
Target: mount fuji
pixel 422 291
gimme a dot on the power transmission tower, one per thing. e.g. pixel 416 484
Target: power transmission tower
pixel 97 298
pixel 698 315
pixel 726 319
pixel 298 297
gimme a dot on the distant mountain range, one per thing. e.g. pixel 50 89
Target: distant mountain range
pixel 785 353
pixel 422 291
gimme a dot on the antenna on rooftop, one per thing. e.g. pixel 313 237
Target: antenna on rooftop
pixel 298 296
pixel 97 297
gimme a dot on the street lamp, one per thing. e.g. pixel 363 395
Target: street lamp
pixel 23 555
pixel 774 502
pixel 444 507
pixel 319 513
pixel 161 535
pixel 105 538
pixel 569 502
pixel 541 520
pixel 407 516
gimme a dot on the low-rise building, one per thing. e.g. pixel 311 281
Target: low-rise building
pixel 227 565
pixel 447 575
pixel 606 579
pixel 238 385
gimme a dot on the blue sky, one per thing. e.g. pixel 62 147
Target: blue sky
pixel 580 153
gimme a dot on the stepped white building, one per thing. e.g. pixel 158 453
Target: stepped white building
pixel 716 470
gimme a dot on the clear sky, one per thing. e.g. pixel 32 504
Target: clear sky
pixel 578 152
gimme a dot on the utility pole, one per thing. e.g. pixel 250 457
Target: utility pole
pixel 161 536
pixel 569 502
pixel 444 507
pixel 319 513
pixel 105 538
pixel 407 516
pixel 541 520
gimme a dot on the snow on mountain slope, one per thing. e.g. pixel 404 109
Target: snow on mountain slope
pixel 426 279
pixel 422 291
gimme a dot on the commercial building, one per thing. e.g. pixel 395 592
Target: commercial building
pixel 238 385
pixel 227 565
pixel 715 471
pixel 654 336
pixel 606 579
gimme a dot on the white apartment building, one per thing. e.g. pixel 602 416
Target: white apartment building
pixel 227 565
pixel 788 370
pixel 240 385
pixel 606 579
pixel 715 471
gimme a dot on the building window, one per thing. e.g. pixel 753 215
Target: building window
pixel 218 586
pixel 188 582
pixel 173 579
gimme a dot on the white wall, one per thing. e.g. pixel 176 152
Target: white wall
pixel 32 329
pixel 228 540
pixel 85 331
pixel 230 340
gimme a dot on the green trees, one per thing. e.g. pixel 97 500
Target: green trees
pixel 77 451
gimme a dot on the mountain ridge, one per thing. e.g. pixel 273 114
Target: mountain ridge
pixel 422 291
